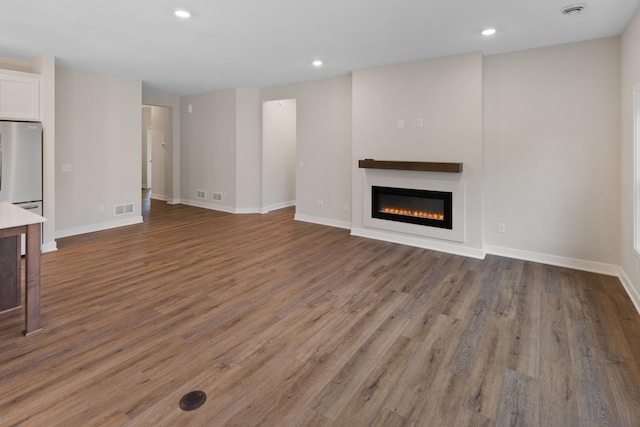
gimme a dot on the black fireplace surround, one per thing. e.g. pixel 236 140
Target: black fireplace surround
pixel 423 207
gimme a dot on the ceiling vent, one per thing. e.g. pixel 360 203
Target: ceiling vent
pixel 574 9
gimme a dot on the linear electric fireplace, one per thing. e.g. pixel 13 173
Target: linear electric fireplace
pixel 423 207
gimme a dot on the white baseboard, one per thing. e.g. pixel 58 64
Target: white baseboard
pixel 98 227
pixel 248 211
pixel 277 206
pixel 159 197
pixel 633 293
pixel 323 221
pixel 207 205
pixel 173 201
pixel 418 242
pixel 219 207
pixel 578 264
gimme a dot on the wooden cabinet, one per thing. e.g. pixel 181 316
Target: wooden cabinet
pixel 9 272
pixel 19 95
pixel 15 221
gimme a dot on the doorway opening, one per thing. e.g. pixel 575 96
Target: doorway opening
pixel 278 154
pixel 157 158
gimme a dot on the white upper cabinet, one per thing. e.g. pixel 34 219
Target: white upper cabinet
pixel 19 95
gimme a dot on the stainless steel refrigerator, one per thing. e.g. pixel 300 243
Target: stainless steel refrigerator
pixel 21 165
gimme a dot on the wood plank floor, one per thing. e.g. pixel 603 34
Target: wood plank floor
pixel 284 323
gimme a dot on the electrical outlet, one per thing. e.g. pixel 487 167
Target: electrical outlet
pixel 346 206
pixel 502 228
pixel 100 208
pixel 320 204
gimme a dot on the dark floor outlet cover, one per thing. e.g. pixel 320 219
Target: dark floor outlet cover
pixel 193 400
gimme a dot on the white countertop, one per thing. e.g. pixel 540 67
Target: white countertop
pixel 13 216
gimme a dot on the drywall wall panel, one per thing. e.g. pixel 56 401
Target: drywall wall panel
pixel 98 128
pixel 551 138
pixel 248 162
pixel 208 149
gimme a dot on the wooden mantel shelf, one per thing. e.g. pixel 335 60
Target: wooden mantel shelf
pixel 410 166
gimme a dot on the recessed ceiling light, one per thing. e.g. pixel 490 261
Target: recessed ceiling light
pixel 317 63
pixel 573 9
pixel 182 13
pixel 488 31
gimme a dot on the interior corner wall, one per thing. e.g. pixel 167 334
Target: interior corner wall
pixel 98 127
pixel 551 157
pixel 208 149
pixel 630 81
pixel 323 145
pixel 161 99
pixel 446 93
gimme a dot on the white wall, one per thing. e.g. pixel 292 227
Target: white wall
pixel 146 125
pixel 208 149
pixel 323 116
pixel 46 66
pixel 16 65
pixel 447 94
pixel 98 133
pixel 220 150
pixel 278 154
pixel 248 161
pixel 162 149
pixel 630 80
pixel 156 98
pixel 551 157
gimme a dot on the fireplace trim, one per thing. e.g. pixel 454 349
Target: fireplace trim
pixel 420 181
pixel 446 196
pixel 446 167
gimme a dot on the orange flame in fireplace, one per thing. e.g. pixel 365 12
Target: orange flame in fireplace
pixel 417 214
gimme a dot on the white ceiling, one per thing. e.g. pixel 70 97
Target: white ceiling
pixel 258 43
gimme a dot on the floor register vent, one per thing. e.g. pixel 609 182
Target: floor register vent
pixel 123 209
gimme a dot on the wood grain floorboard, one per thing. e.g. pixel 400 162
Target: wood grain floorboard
pixel 469 418
pixel 519 401
pixel 524 353
pixel 286 323
pixel 557 392
pixel 414 383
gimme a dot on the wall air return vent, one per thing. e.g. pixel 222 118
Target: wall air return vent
pixel 217 197
pixel 123 209
pixel 201 194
